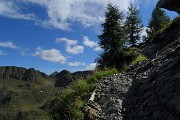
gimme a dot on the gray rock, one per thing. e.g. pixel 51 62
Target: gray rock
pixel 148 91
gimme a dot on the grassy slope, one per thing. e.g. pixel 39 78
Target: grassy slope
pixel 73 98
pixel 20 99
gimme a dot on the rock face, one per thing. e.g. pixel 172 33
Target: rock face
pixel 64 79
pixel 18 73
pixel 154 94
pixel 149 90
pixel 162 39
pixel 170 5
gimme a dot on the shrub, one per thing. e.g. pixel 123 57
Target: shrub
pixel 139 58
pixel 74 97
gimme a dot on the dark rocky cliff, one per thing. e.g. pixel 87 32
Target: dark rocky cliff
pixel 170 5
pixel 149 90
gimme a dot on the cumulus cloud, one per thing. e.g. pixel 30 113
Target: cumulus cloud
pixel 75 64
pixel 8 44
pixel 92 44
pixel 144 33
pixel 11 10
pixel 2 53
pixel 89 43
pixel 71 46
pixel 51 55
pixel 97 49
pixel 91 66
pixel 61 12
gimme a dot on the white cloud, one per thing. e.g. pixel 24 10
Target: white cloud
pixel 75 49
pixel 8 44
pixel 67 41
pixel 71 46
pixel 89 43
pixel 60 13
pixel 91 66
pixel 74 64
pixel 92 44
pixel 97 49
pixel 144 33
pixel 11 10
pixel 51 55
pixel 2 53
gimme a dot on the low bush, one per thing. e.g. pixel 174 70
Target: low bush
pixel 139 58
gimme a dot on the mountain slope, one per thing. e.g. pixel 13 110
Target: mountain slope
pixel 23 92
pixel 19 73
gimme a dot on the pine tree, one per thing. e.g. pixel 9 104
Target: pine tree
pixel 134 25
pixel 158 20
pixel 112 39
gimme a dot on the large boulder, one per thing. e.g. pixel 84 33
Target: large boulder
pixel 173 5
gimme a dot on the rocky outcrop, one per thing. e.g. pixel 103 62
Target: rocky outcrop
pixel 64 78
pixel 81 74
pixel 154 94
pixel 172 5
pixel 19 73
pixel 149 90
pixel 163 38
pixel 53 74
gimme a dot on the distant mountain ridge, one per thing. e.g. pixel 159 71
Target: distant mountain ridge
pixel 64 77
pixel 61 79
pixel 20 73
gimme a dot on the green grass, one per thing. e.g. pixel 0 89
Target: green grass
pixel 73 98
pixel 25 99
pixel 100 74
pixel 139 58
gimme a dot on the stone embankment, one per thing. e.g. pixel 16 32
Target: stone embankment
pixel 149 90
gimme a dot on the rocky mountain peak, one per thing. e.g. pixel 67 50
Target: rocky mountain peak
pixel 19 73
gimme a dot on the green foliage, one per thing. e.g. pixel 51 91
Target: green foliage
pixel 100 74
pixel 134 25
pixel 112 39
pixel 139 58
pixel 158 21
pixel 173 25
pixel 73 98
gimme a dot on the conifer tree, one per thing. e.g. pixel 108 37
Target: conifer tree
pixel 134 25
pixel 158 20
pixel 112 39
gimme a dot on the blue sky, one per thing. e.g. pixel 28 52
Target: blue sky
pixel 52 35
